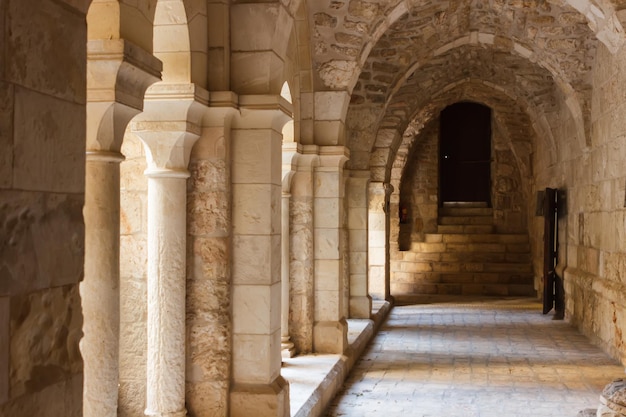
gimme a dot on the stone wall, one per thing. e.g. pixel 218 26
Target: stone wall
pixel 593 231
pixel 419 189
pixel 42 171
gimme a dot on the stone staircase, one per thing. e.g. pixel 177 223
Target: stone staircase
pixel 465 257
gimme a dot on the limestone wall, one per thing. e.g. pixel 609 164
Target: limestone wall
pixel 42 171
pixel 593 232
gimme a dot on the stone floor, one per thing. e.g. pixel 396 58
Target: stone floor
pixel 488 359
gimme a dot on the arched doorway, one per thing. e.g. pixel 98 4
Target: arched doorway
pixel 465 153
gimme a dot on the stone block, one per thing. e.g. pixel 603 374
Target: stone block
pixel 50 154
pixel 327 274
pixel 208 212
pixel 358 240
pixel 256 209
pixel 256 259
pixel 327 243
pixel 44 236
pixel 330 336
pixel 52 315
pixel 325 213
pixel 256 309
pixel 331 105
pixel 256 155
pixel 48 58
pixel 208 349
pixel 256 358
pixel 207 399
pixel 360 307
pixel 261 400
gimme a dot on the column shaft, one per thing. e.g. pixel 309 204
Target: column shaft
pixel 330 329
pixel 378 241
pixel 360 301
pixel 166 294
pixel 287 347
pixel 258 388
pixel 100 288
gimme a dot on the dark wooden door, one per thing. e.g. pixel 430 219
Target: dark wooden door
pixel 465 153
pixel 550 246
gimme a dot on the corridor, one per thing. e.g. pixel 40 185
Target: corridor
pixel 476 359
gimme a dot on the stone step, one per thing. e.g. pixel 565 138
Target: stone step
pixel 503 290
pixel 466 211
pixel 463 267
pixel 444 247
pixel 475 238
pixel 460 228
pixel 498 257
pixel 467 220
pixel 464 278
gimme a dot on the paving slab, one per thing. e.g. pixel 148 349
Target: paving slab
pixel 481 358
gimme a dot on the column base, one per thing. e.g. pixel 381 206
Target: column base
pixel 260 400
pixel 360 307
pixel 181 413
pixel 330 336
pixel 287 349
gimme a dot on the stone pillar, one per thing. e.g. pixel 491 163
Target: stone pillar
pixel 357 188
pixel 330 328
pixel 100 288
pixel 257 387
pixel 169 127
pixel 302 249
pixel 113 67
pixel 289 153
pixel 378 240
pixel 288 349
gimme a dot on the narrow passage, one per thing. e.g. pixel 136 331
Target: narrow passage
pixel 482 359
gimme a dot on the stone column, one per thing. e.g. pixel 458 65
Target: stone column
pixel 330 328
pixel 166 292
pixel 288 156
pixel 288 349
pixel 100 288
pixel 113 66
pixel 302 249
pixel 169 127
pixel 357 188
pixel 257 387
pixel 378 240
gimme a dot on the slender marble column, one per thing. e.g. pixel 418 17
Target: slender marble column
pixel 167 203
pixel 168 128
pixel 287 348
pixel 100 288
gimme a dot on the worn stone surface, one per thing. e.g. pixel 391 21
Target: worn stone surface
pixel 133 291
pixel 28 222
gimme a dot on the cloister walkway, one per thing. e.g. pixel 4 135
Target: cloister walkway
pixel 476 359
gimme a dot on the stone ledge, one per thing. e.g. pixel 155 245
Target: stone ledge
pixel 314 380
